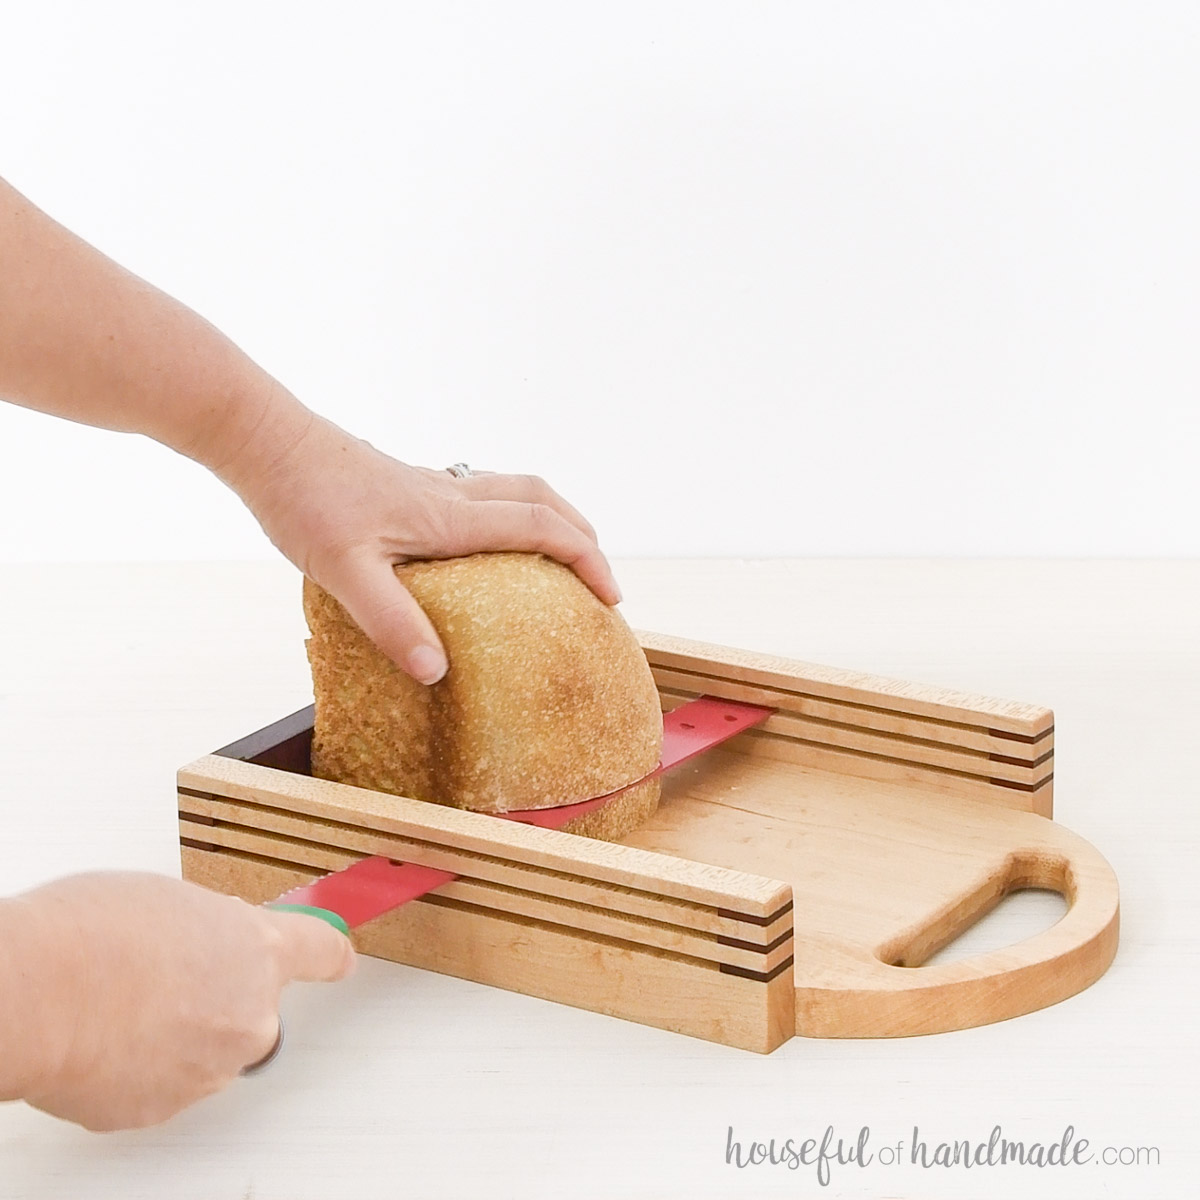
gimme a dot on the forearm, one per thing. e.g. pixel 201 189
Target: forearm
pixel 82 338
pixel 37 994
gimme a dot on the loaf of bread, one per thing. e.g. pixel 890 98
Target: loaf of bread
pixel 548 699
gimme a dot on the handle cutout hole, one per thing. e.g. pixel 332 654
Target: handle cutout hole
pixel 1022 913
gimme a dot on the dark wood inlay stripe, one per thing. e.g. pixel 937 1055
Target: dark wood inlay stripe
pixel 734 915
pixel 1022 787
pixel 186 791
pixel 1021 762
pixel 283 838
pixel 895 709
pixel 724 940
pixel 1028 738
pixel 758 976
pixel 495 914
pixel 195 845
pixel 909 763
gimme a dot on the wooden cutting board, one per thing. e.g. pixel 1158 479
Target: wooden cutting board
pixel 792 882
pixel 882 876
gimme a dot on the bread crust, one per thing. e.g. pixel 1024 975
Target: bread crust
pixel 548 699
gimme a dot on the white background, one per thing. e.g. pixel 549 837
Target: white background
pixel 739 279
pixel 744 279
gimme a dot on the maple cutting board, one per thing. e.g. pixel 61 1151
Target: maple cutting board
pixel 791 882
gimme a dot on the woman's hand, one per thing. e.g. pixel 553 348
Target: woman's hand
pixel 137 995
pixel 87 340
pixel 345 513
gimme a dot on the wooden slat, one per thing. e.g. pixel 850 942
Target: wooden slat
pixel 975 763
pixel 552 849
pixel 1011 716
pixel 593 919
pixel 489 868
pixel 855 716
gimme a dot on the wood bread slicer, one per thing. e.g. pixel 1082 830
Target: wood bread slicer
pixel 373 886
pixel 792 881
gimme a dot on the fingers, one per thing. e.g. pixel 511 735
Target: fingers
pixel 483 512
pixel 386 612
pixel 522 525
pixel 309 951
pixel 530 488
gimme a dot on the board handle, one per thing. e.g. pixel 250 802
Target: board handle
pixel 889 994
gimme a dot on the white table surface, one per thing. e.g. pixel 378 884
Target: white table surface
pixel 405 1083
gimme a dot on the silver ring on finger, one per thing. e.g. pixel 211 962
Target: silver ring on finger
pixel 460 471
pixel 270 1056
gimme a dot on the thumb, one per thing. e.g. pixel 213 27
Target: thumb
pixel 386 612
pixel 311 950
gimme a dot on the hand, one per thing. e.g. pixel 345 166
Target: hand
pixel 151 993
pixel 345 513
pixel 88 341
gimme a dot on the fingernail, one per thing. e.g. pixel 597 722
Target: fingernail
pixel 427 664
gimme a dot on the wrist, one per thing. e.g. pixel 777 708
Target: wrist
pixel 248 438
pixel 275 467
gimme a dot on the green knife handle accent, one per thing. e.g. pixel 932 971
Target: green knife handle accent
pixel 322 914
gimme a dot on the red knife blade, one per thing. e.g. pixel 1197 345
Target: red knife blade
pixel 376 885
